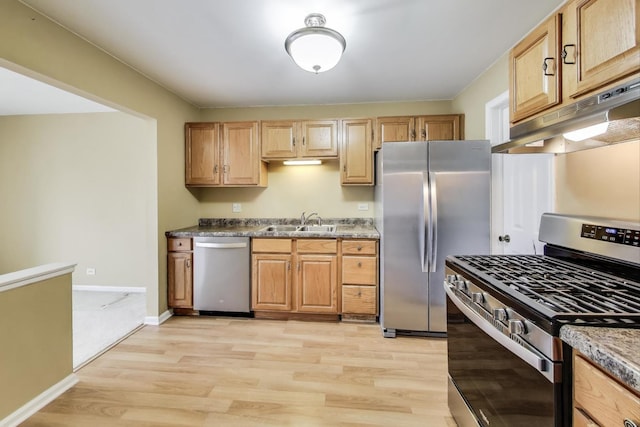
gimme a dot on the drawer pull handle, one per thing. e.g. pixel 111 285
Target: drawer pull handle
pixel 359 248
pixel 179 243
pixel 629 423
pixel 359 264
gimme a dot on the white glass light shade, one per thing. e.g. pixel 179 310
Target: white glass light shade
pixel 588 132
pixel 315 48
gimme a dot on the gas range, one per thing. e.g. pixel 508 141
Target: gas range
pixel 555 290
pixel 505 312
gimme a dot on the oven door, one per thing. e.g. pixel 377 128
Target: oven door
pixel 491 382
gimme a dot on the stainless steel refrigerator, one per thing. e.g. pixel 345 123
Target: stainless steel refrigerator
pixel 432 199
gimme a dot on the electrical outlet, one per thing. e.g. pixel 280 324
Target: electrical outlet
pixel 91 271
pixel 363 206
pixel 236 207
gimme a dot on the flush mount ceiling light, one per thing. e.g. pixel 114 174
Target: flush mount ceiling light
pixel 315 48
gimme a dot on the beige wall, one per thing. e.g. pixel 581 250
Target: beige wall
pixel 473 99
pixel 77 188
pixel 600 182
pixel 31 44
pixel 36 340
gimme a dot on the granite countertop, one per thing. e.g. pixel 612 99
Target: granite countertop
pixel 616 350
pixel 351 228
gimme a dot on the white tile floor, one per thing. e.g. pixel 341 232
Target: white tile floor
pixel 101 319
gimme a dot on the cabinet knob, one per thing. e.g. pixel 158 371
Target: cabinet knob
pixel 359 264
pixel 359 248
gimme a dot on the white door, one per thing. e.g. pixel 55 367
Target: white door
pixel 522 188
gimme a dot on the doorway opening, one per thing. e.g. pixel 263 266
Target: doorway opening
pixel 522 188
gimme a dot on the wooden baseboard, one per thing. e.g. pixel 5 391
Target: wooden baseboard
pixel 315 317
pixel 359 318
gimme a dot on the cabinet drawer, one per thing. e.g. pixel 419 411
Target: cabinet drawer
pixel 357 270
pixel 178 244
pixel 317 246
pixel 272 245
pixel 359 247
pixel 601 397
pixel 359 299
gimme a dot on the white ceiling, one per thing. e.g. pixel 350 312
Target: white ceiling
pixel 222 53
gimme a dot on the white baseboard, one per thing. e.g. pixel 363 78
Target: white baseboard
pixel 157 320
pixel 39 402
pixel 132 289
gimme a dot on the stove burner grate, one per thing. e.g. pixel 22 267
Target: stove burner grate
pixel 562 287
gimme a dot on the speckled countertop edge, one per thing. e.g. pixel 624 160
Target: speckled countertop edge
pixel 353 228
pixel 616 350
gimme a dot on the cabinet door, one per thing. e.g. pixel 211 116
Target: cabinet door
pixel 241 151
pixel 319 139
pixel 608 34
pixel 317 283
pixel 356 152
pixel 202 154
pixel 439 128
pixel 271 282
pixel 394 129
pixel 278 139
pixel 180 279
pixel 534 71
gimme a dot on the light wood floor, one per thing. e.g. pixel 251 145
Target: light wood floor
pixel 214 371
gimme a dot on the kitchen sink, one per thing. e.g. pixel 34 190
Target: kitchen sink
pixel 329 228
pixel 281 228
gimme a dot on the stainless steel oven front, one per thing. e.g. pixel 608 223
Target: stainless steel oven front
pixel 503 369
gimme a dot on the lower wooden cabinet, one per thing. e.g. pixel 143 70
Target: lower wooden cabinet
pixel 295 275
pixel 359 282
pixel 180 273
pixel 600 400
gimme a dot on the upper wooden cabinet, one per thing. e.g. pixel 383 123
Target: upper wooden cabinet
pixel 223 154
pixel 606 35
pixel 419 128
pixel 287 139
pixel 535 71
pixel 589 46
pixel 356 152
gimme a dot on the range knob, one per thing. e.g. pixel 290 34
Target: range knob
pixel 451 278
pixel 500 314
pixel 477 297
pixel 516 327
pixel 462 285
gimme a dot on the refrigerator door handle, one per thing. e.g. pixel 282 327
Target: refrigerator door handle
pixel 425 220
pixel 433 223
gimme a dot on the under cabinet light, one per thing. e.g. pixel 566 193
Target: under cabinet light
pixel 588 132
pixel 302 162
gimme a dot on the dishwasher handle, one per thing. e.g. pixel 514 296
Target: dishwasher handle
pixel 221 245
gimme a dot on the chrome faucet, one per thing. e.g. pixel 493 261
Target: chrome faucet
pixel 304 219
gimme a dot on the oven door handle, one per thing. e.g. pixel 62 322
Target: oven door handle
pixel 540 364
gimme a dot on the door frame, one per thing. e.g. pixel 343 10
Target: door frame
pixel 497 131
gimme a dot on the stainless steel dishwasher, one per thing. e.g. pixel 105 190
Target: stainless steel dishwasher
pixel 221 276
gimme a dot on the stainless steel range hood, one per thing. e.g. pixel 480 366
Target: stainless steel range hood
pixel 620 106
